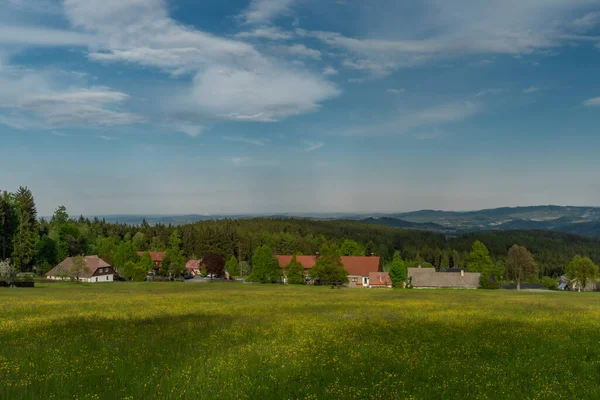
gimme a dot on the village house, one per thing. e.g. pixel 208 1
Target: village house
pixel 157 258
pixel 193 267
pixel 358 267
pixel 97 270
pixel 429 278
pixel 380 280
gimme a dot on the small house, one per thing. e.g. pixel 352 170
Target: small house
pixel 157 258
pixel 193 267
pixel 429 278
pixel 97 270
pixel 380 280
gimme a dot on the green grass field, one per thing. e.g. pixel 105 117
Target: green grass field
pixel 233 341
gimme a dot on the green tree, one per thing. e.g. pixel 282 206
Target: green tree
pixel 479 260
pixel 8 272
pixel 146 262
pixel 294 272
pixel 78 268
pixel 520 265
pixel 265 267
pixel 125 252
pixel 128 269
pixel 46 254
pixel 27 231
pixel 174 261
pixel 140 241
pixel 8 224
pixel 329 268
pixel 352 248
pixel 232 266
pixel 445 263
pixel 582 270
pixel 398 271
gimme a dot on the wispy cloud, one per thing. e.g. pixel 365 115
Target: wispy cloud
pixel 531 89
pixel 263 11
pixel 312 146
pixel 395 91
pixel 299 50
pixel 490 92
pixel 253 141
pixel 108 138
pixel 330 71
pixel 430 135
pixel 594 102
pixel 266 32
pixel 191 130
pixel 251 162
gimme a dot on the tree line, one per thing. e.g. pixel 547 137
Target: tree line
pixel 31 242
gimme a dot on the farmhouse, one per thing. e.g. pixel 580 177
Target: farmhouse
pixel 193 267
pixel 358 267
pixel 157 257
pixel 429 278
pixel 380 280
pixel 97 270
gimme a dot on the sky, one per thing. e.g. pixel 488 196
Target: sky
pixel 270 106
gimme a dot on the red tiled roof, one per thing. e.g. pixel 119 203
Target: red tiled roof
pixel 193 264
pixel 380 279
pixel 307 261
pixel 357 265
pixel 157 256
pixel 92 262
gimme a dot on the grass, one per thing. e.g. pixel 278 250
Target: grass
pixel 232 341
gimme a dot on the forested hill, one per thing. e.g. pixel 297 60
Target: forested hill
pixel 240 237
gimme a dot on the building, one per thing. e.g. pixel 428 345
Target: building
pixel 98 270
pixel 193 267
pixel 157 257
pixel 358 267
pixel 429 278
pixel 380 280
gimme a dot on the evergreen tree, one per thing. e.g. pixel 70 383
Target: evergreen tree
pixel 8 224
pixel 445 264
pixel 329 268
pixel 479 260
pixel 174 261
pixel 265 267
pixel 26 234
pixel 46 254
pixel 398 271
pixel 294 272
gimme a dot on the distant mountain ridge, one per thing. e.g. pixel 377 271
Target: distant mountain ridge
pixel 568 219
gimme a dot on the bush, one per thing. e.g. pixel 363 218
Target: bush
pixel 550 283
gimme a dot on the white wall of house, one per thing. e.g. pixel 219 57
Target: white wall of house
pixel 101 278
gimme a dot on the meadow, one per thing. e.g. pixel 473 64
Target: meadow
pixel 234 341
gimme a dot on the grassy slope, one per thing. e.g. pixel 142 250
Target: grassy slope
pixel 211 341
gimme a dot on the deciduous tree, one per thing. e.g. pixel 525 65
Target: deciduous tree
pixel 398 271
pixel 520 265
pixel 352 248
pixel 294 272
pixel 78 268
pixel 329 268
pixel 214 263
pixel 582 270
pixel 265 267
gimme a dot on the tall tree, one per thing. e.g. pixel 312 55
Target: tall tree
pixel 265 267
pixel 398 271
pixel 329 268
pixel 294 272
pixel 8 224
pixel 520 265
pixel 27 231
pixel 582 270
pixel 352 248
pixel 146 262
pixel 46 254
pixel 124 253
pixel 214 263
pixel 232 266
pixel 479 260
pixel 140 241
pixel 173 262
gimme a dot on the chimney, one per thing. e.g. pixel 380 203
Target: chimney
pixel 462 272
pixel 317 254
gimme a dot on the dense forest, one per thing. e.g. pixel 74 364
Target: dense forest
pixel 38 244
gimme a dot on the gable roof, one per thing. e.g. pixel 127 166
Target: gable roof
pixel 380 279
pixel 193 264
pixel 157 256
pixel 355 265
pixel 429 278
pixel 92 262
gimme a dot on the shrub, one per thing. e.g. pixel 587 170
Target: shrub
pixel 550 283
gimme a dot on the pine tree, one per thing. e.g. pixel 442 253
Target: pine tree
pixel 27 231
pixel 8 224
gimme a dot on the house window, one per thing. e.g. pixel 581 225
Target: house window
pixel 354 279
pixel 106 277
pixel 96 279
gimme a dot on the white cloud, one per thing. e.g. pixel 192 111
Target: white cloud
pixel 232 79
pixel 330 71
pixel 253 141
pixel 266 32
pixel 28 35
pixel 299 50
pixel 592 102
pixel 262 11
pixel 251 162
pixel 587 22
pixel 312 146
pixel 108 138
pixel 395 91
pixel 531 89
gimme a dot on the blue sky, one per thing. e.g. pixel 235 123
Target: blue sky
pixel 233 106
